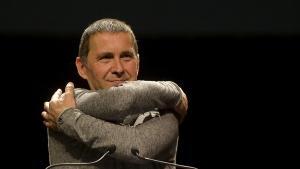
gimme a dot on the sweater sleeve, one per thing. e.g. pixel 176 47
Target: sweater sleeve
pixel 151 138
pixel 130 99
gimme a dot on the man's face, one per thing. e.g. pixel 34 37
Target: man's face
pixel 111 60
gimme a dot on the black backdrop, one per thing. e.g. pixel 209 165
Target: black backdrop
pixel 168 17
pixel 226 56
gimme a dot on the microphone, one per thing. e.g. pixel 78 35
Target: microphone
pixel 110 150
pixel 136 153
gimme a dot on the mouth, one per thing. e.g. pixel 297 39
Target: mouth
pixel 117 82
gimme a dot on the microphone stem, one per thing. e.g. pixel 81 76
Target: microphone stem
pixel 88 163
pixel 164 162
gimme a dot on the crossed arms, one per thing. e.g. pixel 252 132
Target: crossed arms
pixel 88 123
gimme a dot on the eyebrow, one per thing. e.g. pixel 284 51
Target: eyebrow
pixel 127 53
pixel 104 54
pixel 110 54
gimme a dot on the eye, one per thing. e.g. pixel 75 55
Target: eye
pixel 127 56
pixel 105 57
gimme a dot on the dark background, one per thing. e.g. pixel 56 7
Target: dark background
pixel 226 55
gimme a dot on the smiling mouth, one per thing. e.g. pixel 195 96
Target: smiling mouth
pixel 117 82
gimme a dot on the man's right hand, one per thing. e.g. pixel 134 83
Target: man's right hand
pixel 182 106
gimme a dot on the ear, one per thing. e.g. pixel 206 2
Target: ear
pixel 81 67
pixel 138 64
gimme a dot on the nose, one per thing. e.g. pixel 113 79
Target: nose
pixel 117 67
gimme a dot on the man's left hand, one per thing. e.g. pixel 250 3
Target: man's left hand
pixel 59 103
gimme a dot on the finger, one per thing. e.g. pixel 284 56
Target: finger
pixel 50 125
pixel 46 106
pixel 56 95
pixel 62 96
pixel 69 90
pixel 185 101
pixel 47 116
pixel 44 115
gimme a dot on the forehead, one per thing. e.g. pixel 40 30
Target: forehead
pixel 104 39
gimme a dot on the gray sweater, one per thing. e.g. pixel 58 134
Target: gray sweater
pixel 104 117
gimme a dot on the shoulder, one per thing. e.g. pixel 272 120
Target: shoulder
pixel 80 91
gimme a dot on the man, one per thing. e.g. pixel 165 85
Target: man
pixel 81 130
